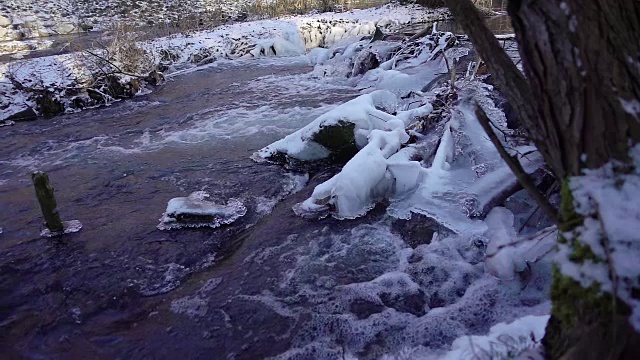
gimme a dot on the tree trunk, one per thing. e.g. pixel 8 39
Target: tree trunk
pixel 579 99
pixel 582 62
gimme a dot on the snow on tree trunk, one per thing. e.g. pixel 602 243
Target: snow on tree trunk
pixel 580 100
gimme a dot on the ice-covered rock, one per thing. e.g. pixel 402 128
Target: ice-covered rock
pixel 196 211
pixel 361 182
pixel 503 260
pixel 339 133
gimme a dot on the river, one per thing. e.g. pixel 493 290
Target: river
pixel 115 168
pixel 271 283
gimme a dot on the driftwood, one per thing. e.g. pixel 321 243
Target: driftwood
pixel 501 197
pixel 424 32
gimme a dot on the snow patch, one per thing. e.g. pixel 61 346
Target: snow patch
pixel 607 198
pixel 518 339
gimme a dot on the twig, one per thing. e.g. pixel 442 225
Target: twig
pixel 528 218
pixel 114 65
pixel 515 166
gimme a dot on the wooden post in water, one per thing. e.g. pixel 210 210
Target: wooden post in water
pixel 44 192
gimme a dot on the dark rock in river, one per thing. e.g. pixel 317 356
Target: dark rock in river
pixel 339 139
pixel 26 114
pixel 419 230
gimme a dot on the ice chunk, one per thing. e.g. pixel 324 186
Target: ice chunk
pixel 318 55
pixel 69 227
pixel 395 81
pixel 409 116
pixel 444 154
pixel 364 179
pixel 503 260
pixel 407 175
pixel 503 341
pixel 277 47
pixel 195 211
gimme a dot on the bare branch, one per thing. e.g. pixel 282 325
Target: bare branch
pixel 118 70
pixel 508 78
pixel 516 167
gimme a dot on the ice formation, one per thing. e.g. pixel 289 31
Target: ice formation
pixel 418 300
pixel 519 339
pixel 364 179
pixel 508 255
pixel 367 113
pixel 196 211
pixel 70 226
pixel 451 189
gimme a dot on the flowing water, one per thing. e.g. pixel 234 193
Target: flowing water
pixel 269 284
pixel 114 169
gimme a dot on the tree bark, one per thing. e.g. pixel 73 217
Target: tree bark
pixel 579 99
pixel 582 62
pixel 582 65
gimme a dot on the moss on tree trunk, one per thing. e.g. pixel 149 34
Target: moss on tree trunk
pixel 585 323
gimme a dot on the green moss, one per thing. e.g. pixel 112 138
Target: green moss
pixel 575 308
pixel 570 218
pixel 569 297
pixel 585 321
pixel 582 252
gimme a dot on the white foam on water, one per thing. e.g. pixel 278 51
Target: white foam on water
pixel 243 122
pixel 195 306
pixel 295 182
pixel 265 205
pixel 55 153
pixel 191 306
pixel 365 284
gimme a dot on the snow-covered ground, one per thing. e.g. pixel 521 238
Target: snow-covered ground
pixel 23 19
pixel 35 18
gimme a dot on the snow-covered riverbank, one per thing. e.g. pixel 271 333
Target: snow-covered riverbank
pixel 71 82
pixel 20 19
